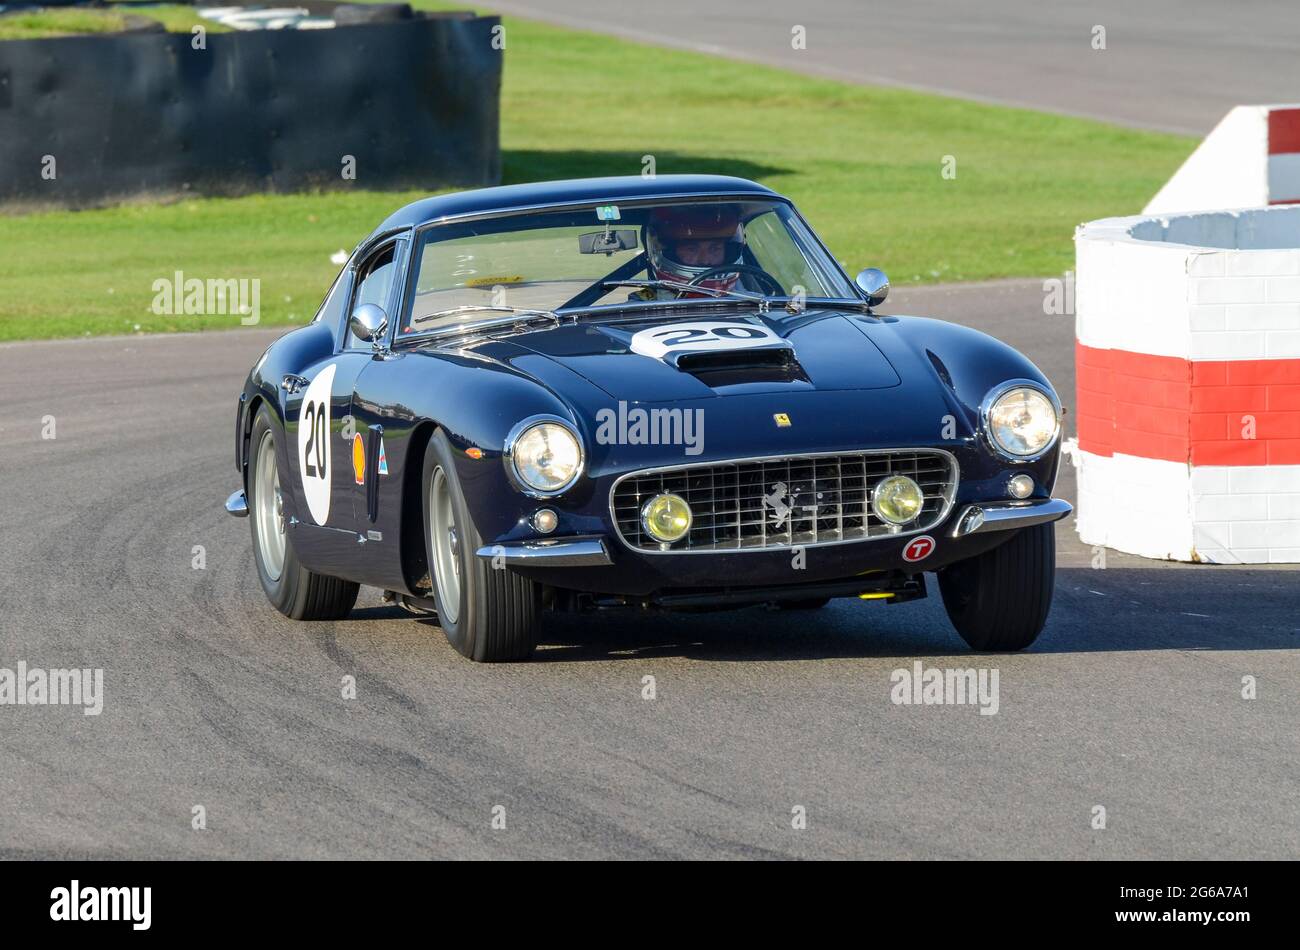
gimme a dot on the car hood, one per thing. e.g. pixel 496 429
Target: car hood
pixel 710 354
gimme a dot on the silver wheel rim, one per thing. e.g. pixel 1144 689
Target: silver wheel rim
pixel 269 509
pixel 446 546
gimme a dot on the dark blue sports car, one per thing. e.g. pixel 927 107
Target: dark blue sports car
pixel 655 393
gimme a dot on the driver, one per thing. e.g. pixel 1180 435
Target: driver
pixel 686 241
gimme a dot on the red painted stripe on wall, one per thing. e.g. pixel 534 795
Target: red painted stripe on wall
pixel 1229 412
pixel 1283 131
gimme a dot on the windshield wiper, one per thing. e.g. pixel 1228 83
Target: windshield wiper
pixel 476 308
pixel 688 288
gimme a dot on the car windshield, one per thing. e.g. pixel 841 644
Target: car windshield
pixel 612 255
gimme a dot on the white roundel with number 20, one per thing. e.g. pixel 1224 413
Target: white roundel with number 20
pixel 314 458
pixel 658 342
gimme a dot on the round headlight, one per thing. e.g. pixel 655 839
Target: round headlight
pixel 1022 422
pixel 546 457
pixel 666 517
pixel 897 499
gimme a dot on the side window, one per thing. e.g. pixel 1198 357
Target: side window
pixel 331 311
pixel 375 280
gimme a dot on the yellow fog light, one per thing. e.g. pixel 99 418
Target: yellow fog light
pixel 897 499
pixel 666 518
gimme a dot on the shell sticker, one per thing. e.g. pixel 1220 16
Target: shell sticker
pixel 359 459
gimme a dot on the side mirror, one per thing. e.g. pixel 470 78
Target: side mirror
pixel 874 284
pixel 369 323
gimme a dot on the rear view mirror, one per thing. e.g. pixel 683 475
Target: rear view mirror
pixel 874 285
pixel 369 323
pixel 607 242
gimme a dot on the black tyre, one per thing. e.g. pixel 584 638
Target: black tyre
pixel 489 614
pixel 998 600
pixel 292 589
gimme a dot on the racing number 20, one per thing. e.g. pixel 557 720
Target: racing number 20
pixel 677 337
pixel 316 419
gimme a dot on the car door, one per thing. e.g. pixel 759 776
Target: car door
pixel 321 432
pixel 380 284
pixel 384 425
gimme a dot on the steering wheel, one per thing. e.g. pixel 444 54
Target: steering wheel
pixel 767 283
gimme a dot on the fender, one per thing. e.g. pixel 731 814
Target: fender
pixel 288 355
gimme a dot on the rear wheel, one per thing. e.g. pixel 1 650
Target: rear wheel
pixel 998 600
pixel 488 614
pixel 293 590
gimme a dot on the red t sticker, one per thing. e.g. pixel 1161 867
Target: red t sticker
pixel 918 548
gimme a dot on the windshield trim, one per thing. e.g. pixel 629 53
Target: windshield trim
pixel 625 199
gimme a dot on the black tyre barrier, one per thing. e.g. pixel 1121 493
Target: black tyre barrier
pixel 411 103
pixel 349 13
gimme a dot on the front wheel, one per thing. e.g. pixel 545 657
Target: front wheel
pixel 998 601
pixel 489 614
pixel 293 590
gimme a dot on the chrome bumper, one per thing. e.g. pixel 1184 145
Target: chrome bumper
pixel 1008 515
pixel 560 552
pixel 237 505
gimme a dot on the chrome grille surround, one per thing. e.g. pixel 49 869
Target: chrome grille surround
pixel 739 505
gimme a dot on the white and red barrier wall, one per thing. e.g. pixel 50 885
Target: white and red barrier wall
pixel 1188 372
pixel 1250 159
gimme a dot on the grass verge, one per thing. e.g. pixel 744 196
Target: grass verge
pixel 928 188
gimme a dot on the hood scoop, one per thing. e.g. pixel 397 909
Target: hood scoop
pixel 732 359
pixel 733 367
pixel 665 360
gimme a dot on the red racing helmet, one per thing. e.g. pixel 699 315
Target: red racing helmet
pixel 700 222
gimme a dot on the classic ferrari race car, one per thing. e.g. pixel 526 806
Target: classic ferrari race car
pixel 645 392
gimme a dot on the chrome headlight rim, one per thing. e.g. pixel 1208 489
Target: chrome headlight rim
pixel 991 399
pixel 508 455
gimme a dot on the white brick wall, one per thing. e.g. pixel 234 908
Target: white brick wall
pixel 1259 263
pixel 1263 316
pixel 1229 169
pixel 1225 290
pixel 1140 289
pixel 1283 506
pixel 1135 505
pixel 1235 296
pixel 1246 514
pixel 1279 479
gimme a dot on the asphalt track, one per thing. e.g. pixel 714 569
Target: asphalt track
pixel 1176 65
pixel 1130 699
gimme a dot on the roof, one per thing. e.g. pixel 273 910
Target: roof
pixel 574 191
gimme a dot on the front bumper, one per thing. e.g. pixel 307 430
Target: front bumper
pixel 237 505
pixel 561 552
pixel 1009 515
pixel 601 565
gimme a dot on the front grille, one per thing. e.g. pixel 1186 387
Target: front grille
pixel 783 502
